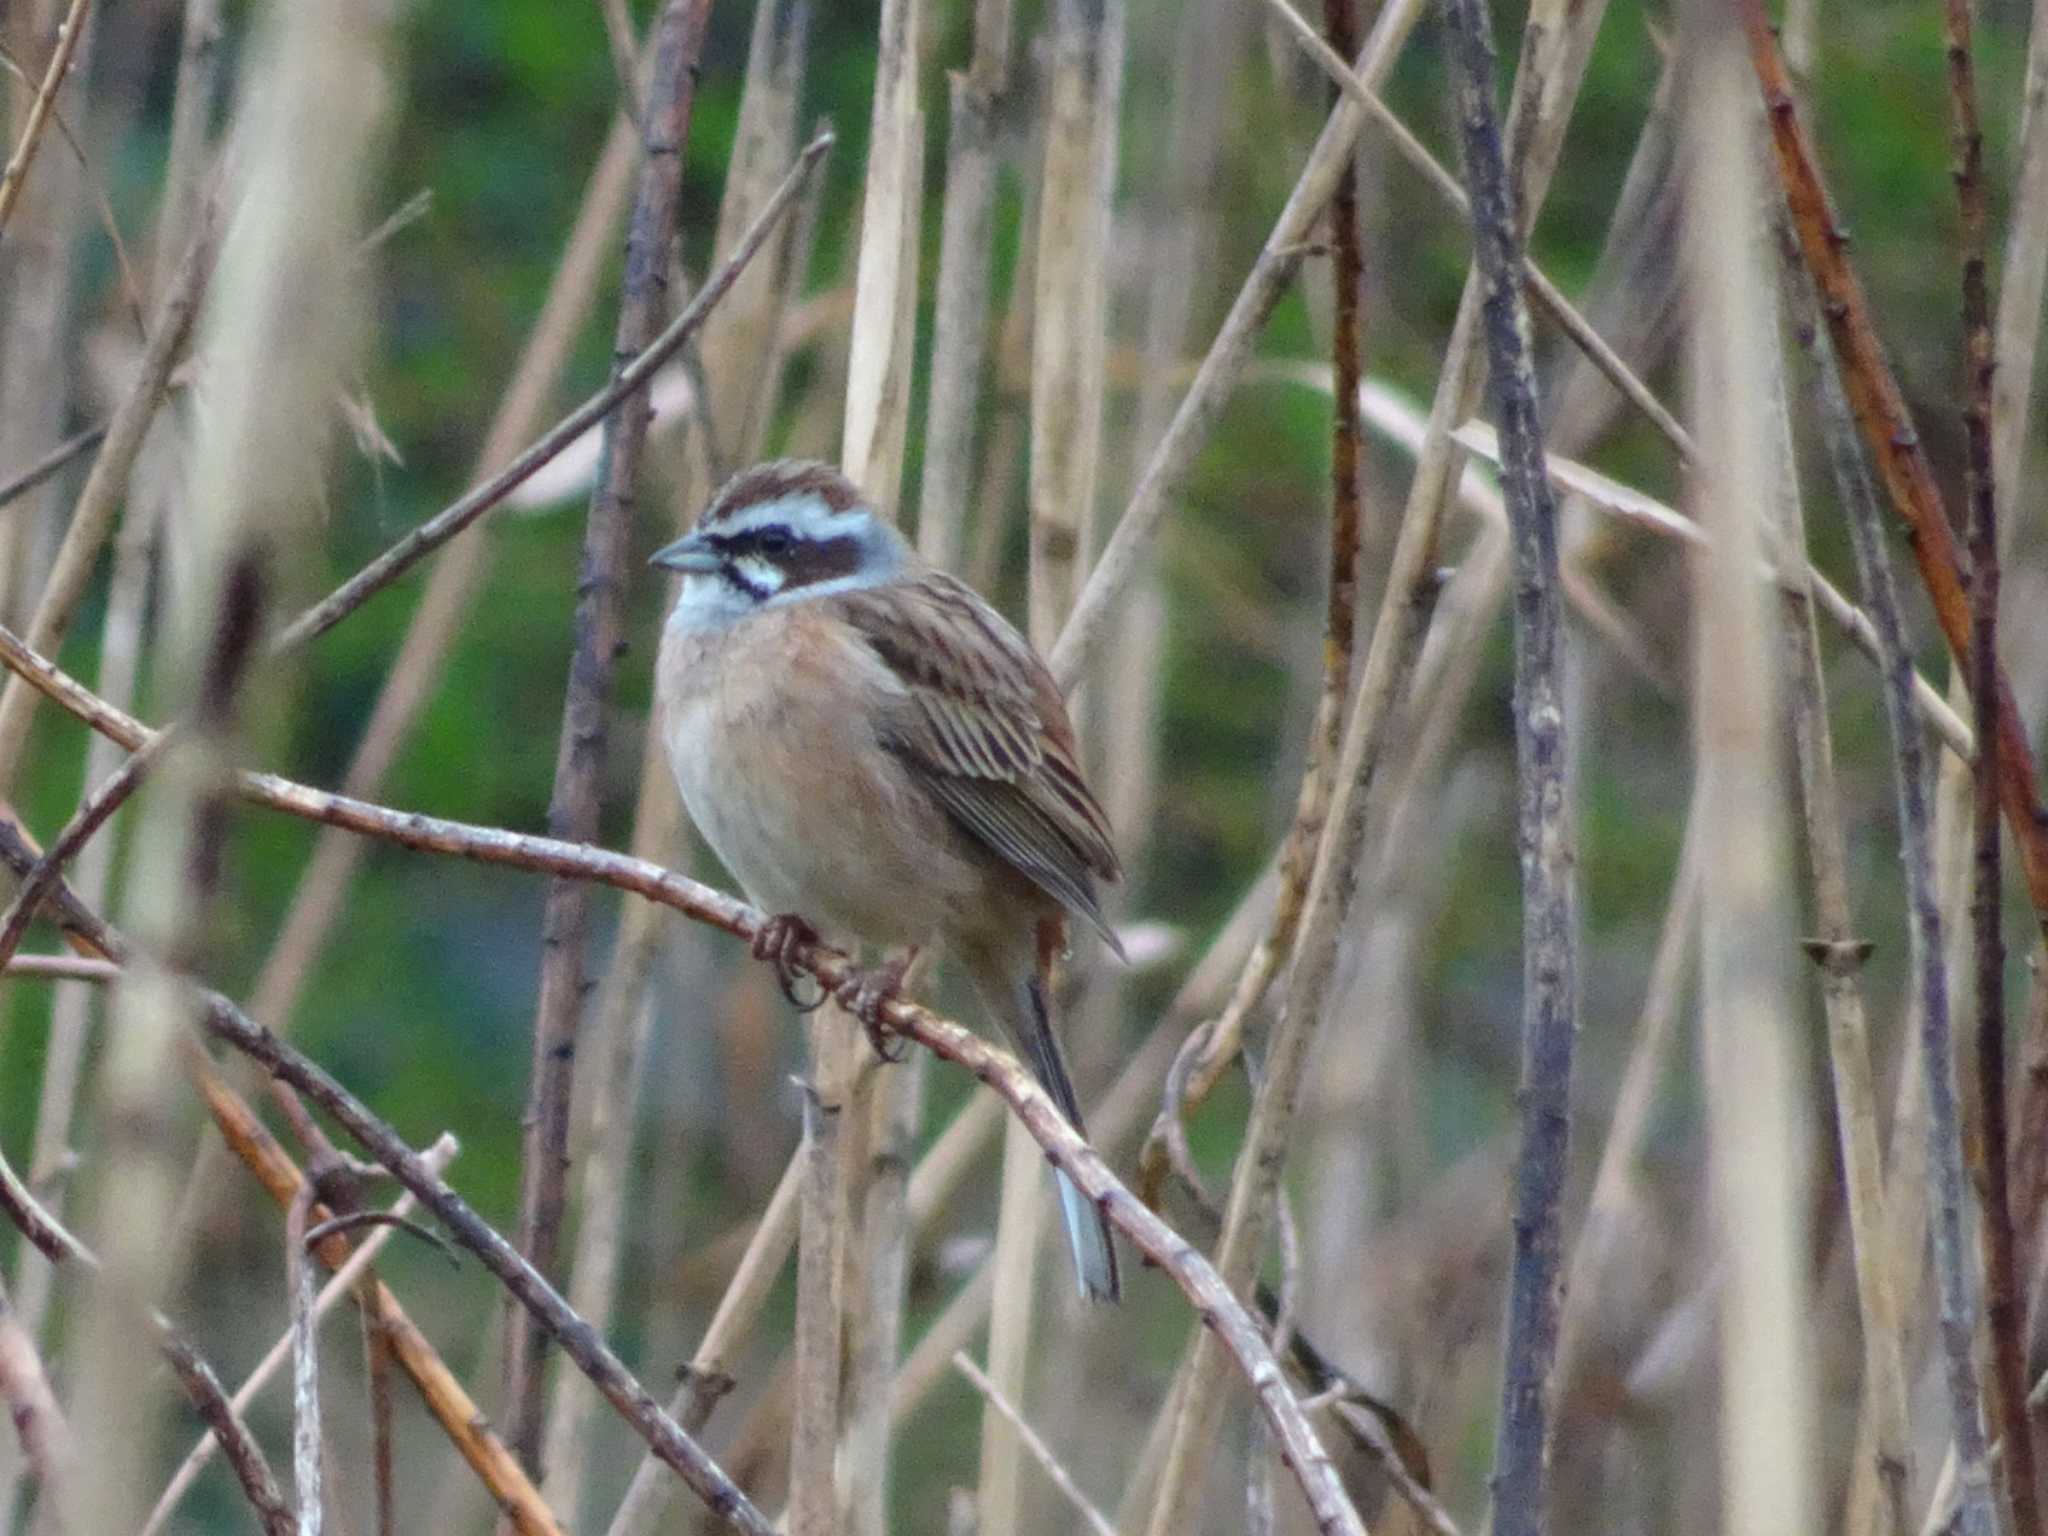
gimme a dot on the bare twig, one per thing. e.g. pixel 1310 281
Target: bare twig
pixel 1033 1442
pixel 82 441
pixel 1225 1316
pixel 340 1283
pixel 574 806
pixel 106 485
pixel 306 1436
pixel 1990 1156
pixel 40 109
pixel 1838 954
pixel 62 968
pixel 1549 936
pixel 1889 438
pixel 458 515
pixel 33 1409
pixel 1945 1176
pixel 243 1454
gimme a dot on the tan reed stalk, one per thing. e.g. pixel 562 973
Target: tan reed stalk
pixel 1076 190
pixel 313 103
pixel 121 641
pixel 838 1461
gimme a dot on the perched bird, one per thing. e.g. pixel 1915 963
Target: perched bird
pixel 867 744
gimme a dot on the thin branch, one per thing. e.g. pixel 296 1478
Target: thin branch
pixel 107 485
pixel 1549 921
pixel 1945 1176
pixel 1034 1442
pixel 101 804
pixel 243 1454
pixel 1200 408
pixel 1218 1041
pixel 33 1409
pixel 83 441
pixel 576 801
pixel 1990 1152
pixel 458 515
pixel 306 1437
pixel 1218 1309
pixel 40 108
pixel 341 1283
pixel 62 968
pixel 1540 287
pixel 1889 438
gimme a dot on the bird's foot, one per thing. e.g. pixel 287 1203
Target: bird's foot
pixel 777 941
pixel 865 993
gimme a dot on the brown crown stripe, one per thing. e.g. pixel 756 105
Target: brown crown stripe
pixel 779 479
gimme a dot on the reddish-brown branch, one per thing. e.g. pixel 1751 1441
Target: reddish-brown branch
pixel 1893 445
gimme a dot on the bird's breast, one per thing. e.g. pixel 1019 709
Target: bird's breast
pixel 771 728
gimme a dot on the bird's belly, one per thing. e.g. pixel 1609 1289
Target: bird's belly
pixel 812 816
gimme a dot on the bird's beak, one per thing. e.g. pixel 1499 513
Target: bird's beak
pixel 689 555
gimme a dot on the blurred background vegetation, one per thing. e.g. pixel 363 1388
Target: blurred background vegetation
pixel 422 1000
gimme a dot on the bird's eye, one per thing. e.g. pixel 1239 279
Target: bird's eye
pixel 773 542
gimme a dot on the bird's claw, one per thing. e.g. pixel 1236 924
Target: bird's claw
pixel 865 994
pixel 776 941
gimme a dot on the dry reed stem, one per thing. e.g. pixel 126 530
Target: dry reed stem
pixel 1944 1179
pixel 1888 434
pixel 839 1444
pixel 105 487
pixel 41 108
pixel 1989 1148
pixel 2023 274
pixel 307 1441
pixel 1548 857
pixel 708 1376
pixel 960 321
pixel 342 1282
pixel 598 627
pixel 1756 1141
pixel 120 650
pixel 48 1454
pixel 1069 311
pixel 1034 1443
pixel 1838 954
pixel 273 362
pixel 1278 261
pixel 1218 1041
pixel 1190 1272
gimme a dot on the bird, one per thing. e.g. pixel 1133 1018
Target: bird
pixel 874 752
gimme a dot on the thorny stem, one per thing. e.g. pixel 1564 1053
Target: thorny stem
pixel 2007 1374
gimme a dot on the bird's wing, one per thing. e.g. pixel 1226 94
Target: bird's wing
pixel 987 733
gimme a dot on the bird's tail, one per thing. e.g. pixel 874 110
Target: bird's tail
pixel 1026 1012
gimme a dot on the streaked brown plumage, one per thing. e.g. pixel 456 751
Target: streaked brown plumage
pixel 867 744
